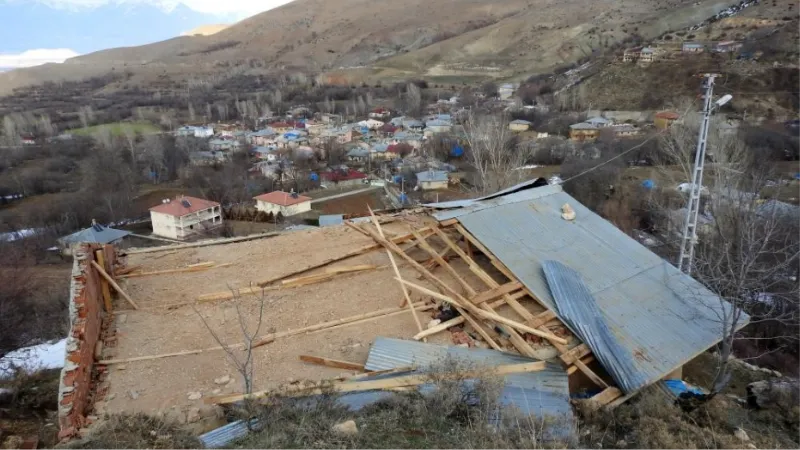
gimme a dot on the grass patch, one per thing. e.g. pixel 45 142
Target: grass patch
pixel 118 128
pixel 136 431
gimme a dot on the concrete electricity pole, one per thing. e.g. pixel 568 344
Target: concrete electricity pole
pixel 689 238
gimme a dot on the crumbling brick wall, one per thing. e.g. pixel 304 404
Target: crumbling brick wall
pixel 86 318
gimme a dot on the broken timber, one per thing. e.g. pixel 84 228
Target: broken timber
pixel 114 284
pixel 371 385
pixel 335 363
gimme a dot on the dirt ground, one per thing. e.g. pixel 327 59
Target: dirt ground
pixel 355 205
pixel 158 385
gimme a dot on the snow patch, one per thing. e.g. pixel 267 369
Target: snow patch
pixel 49 355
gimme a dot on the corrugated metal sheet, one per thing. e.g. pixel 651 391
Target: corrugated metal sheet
pixel 226 434
pixel 543 393
pixel 578 309
pixel 463 203
pixel 330 220
pixel 658 314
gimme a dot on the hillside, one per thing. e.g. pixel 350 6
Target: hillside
pixel 405 38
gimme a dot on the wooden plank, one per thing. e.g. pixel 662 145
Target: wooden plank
pixel 324 326
pixel 370 385
pixel 187 269
pixel 114 284
pixel 406 297
pixel 126 270
pixel 541 319
pixel 577 352
pixel 381 372
pixel 586 360
pixel 589 373
pixel 496 292
pixel 101 259
pixel 335 363
pixel 448 222
pixel 606 396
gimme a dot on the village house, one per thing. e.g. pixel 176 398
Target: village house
pixel 380 113
pixel 315 128
pixel 224 145
pixel 207 158
pixel 647 55
pixel 583 131
pixel 265 153
pixel 693 47
pixel 599 122
pixel 388 129
pixel 281 127
pixel 344 177
pixel 625 130
pixel 432 179
pixel 412 139
pixel 28 140
pixel 370 124
pixel 413 124
pixel 665 119
pixel 727 46
pixel 262 137
pixel 357 154
pixel 330 118
pixel 437 126
pixel 286 203
pixel 631 54
pixel 95 234
pixel 185 217
pixel 191 131
pixel 519 125
pixel 380 152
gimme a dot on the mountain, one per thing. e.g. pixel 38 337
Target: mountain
pixel 31 25
pixel 206 30
pixel 353 40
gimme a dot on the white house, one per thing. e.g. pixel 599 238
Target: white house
pixel 432 179
pixel 198 132
pixel 185 217
pixel 371 124
pixel 600 122
pixel 505 91
pixel 438 126
pixel 288 204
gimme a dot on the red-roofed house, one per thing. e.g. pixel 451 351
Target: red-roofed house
pixel 285 203
pixel 184 217
pixel 380 113
pixel 349 177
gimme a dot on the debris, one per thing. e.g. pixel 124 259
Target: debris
pixel 15 441
pixel 122 367
pixel 741 435
pixel 122 318
pixel 433 323
pixel 346 428
pixel 216 391
pixel 780 394
pixel 134 394
pixel 567 213
pixel 462 338
pixel 222 380
pixel 195 395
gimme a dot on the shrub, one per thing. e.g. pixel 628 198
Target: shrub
pixel 136 431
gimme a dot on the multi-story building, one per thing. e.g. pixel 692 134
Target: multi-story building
pixel 185 217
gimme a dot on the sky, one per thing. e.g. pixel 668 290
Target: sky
pixel 53 30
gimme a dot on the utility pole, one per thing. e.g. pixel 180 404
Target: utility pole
pixel 689 238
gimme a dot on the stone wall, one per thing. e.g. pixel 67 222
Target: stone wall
pixel 75 393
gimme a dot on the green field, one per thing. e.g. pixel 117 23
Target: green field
pixel 118 128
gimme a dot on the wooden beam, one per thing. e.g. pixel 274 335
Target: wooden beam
pixel 193 268
pixel 541 319
pixel 202 243
pixel 266 339
pixel 370 385
pixel 448 324
pixel 114 284
pixel 496 292
pixel 335 363
pixel 101 259
pixel 575 353
pixel 606 396
pixel 489 315
pixel 406 297
pixel 448 222
pixel 436 281
pixel 586 360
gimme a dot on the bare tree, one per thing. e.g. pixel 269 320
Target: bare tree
pixel 747 249
pixel 413 99
pixel 241 360
pixel 494 152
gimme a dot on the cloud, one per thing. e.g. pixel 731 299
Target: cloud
pixel 35 57
pixel 241 8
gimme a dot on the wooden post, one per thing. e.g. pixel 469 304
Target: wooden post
pixel 114 284
pixel 101 259
pixel 407 298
